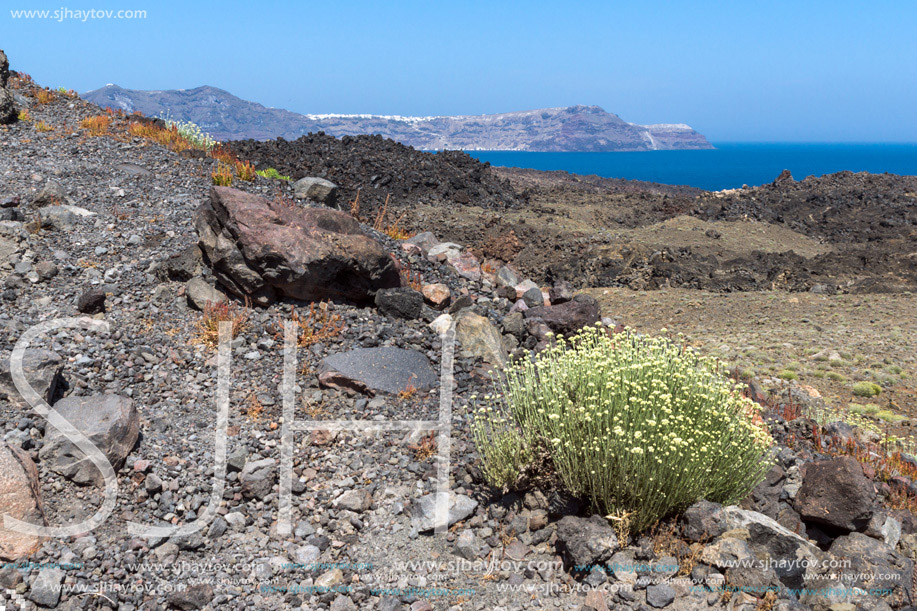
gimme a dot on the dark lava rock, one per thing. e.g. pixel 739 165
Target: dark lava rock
pixel 562 292
pixel 836 493
pixel 91 302
pixel 378 167
pixel 261 250
pixel 875 565
pixel 385 369
pixel 181 267
pixel 586 542
pixel 4 69
pixel 566 318
pixel 8 110
pixel 703 521
pixel 193 597
pixel 400 302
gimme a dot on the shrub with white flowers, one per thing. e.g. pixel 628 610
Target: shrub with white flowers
pixel 190 131
pixel 638 426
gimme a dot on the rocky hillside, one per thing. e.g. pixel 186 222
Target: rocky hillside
pixel 575 128
pixel 130 243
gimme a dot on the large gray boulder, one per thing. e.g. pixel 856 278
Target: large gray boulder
pixel 42 369
pixel 20 498
pixel 317 190
pixel 263 250
pixel 385 369
pixel 111 422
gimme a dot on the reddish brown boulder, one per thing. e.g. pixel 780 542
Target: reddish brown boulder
pixel 263 250
pixel 20 498
pixel 565 318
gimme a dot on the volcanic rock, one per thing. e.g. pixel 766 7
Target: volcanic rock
pixel 110 422
pixel 91 302
pixel 262 250
pixel 566 318
pixel 479 338
pixel 317 190
pixel 385 369
pixel 836 493
pixel 20 498
pixel 42 370
pixel 586 542
pixel 400 302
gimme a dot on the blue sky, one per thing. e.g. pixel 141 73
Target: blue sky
pixel 816 71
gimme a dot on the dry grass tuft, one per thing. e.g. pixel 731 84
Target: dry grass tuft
pixel 392 229
pixel 245 171
pixel 97 125
pixel 170 138
pixel 223 176
pixel 43 96
pixel 207 328
pixel 319 324
pixel 408 393
pixel 254 409
pixel 425 448
pixel 355 206
pixel 43 127
pixel 24 115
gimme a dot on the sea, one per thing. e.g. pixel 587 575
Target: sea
pixel 728 166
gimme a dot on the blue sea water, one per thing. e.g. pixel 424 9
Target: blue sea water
pixel 729 166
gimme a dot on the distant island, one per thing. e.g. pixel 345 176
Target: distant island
pixel 569 129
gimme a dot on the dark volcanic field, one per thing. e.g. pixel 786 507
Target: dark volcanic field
pixel 596 231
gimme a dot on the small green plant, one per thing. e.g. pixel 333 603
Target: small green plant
pixel 788 374
pixel 638 426
pixel 24 115
pixel 866 389
pixel 837 377
pixel 890 416
pixel 271 173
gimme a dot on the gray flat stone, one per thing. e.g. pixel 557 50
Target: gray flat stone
pixel 385 369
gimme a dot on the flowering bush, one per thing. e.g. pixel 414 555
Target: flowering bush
pixel 636 425
pixel 191 132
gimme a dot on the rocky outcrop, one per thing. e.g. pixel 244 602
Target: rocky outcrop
pixel 264 250
pixel 8 111
pixel 20 498
pixel 111 422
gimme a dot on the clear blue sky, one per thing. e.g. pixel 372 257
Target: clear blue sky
pixel 806 70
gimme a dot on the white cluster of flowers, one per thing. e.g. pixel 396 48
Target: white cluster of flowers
pixel 191 132
pixel 636 424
